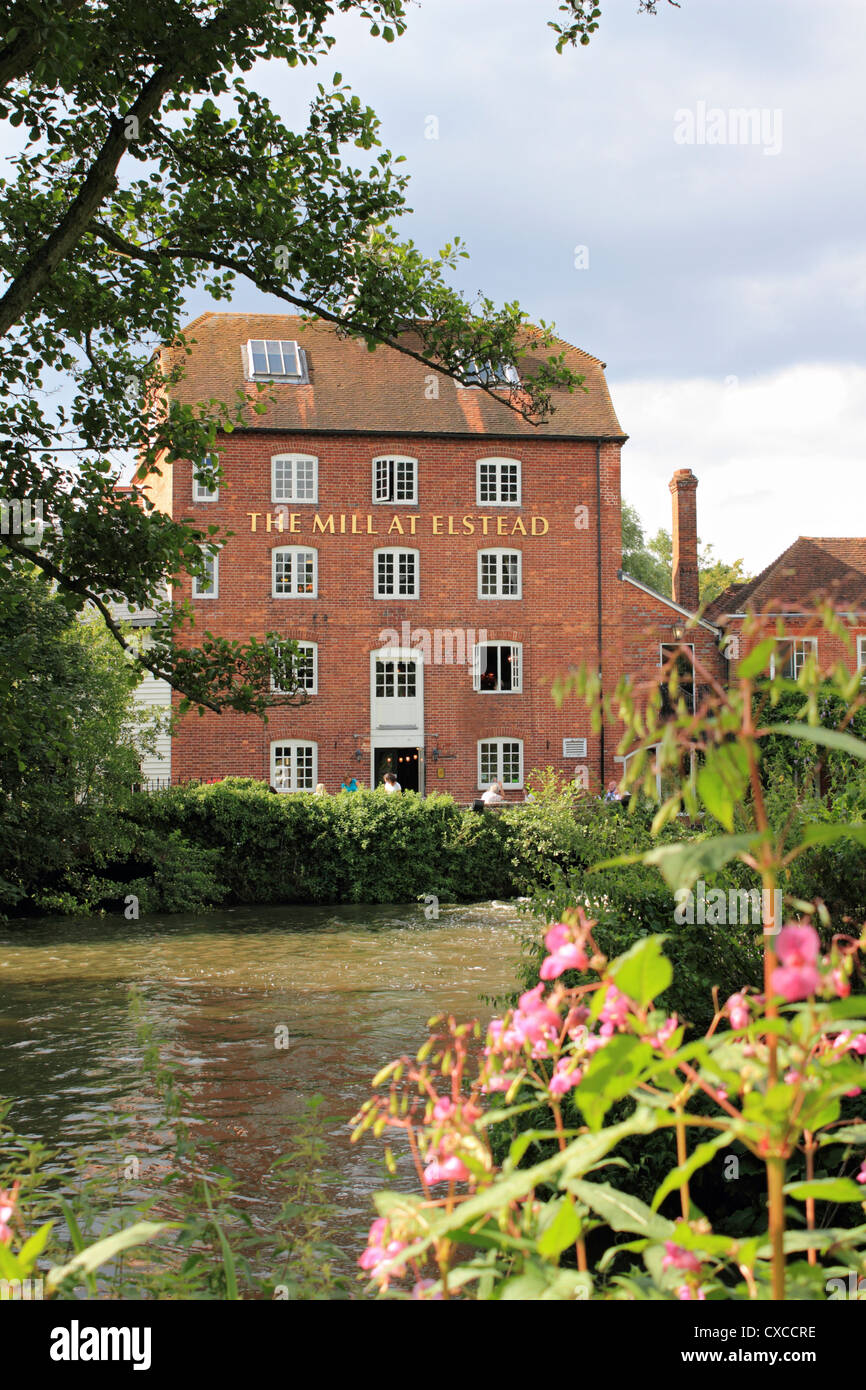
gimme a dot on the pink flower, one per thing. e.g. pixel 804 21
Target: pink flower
pixel 377 1252
pixel 499 1081
pixel 443 1109
pixel 861 1176
pixel 7 1210
pixel 557 936
pixel 792 1077
pixel 797 948
pixel 794 982
pixel 690 1292
pixel 565 1076
pixel 738 1011
pixel 858 1045
pixel 419 1290
pixel 665 1033
pixel 451 1169
pixel 568 957
pixel 678 1258
pixel 797 945
pixel 615 1011
pixel 533 1021
pixel 840 983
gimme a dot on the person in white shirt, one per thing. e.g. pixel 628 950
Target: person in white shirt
pixel 391 783
pixel 494 795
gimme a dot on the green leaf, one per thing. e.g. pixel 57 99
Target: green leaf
pixel 572 1161
pixel 827 1190
pixel 33 1248
pixel 758 659
pixel 827 834
pixel 828 738
pixel 610 1075
pixel 620 1210
pixel 677 1176
pixel 561 1232
pixel 90 1259
pixel 846 1134
pixel 716 797
pixel 681 865
pixel 644 971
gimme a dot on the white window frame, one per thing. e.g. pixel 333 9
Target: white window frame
pixel 294 744
pixel 505 376
pixel 798 659
pixel 393 500
pixel 396 550
pixel 294 550
pixel 498 500
pixel 215 592
pixel 298 359
pixel 313 687
pixel 291 495
pixel 501 551
pixel 516 647
pixel 201 493
pixel 486 743
pixel 861 656
pixel 652 749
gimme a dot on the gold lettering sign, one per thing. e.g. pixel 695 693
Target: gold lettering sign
pixel 353 524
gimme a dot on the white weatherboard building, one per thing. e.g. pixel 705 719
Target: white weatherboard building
pixel 151 693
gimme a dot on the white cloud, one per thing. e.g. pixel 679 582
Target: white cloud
pixel 777 455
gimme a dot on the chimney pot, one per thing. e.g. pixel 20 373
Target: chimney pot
pixel 684 535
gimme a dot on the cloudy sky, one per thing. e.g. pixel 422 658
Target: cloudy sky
pixel 726 281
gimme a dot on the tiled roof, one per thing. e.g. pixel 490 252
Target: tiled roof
pixel 383 391
pixel 828 566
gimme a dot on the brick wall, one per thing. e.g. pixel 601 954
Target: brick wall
pixel 555 619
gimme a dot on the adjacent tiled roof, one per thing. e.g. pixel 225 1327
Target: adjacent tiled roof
pixel 382 392
pixel 828 566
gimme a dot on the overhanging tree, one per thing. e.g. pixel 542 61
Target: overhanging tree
pixel 152 169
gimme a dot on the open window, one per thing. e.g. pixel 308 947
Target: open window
pixel 395 479
pixel 497 667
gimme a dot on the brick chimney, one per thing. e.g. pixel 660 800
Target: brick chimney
pixel 683 486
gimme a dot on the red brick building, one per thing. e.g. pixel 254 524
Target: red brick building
pixel 814 569
pixel 440 559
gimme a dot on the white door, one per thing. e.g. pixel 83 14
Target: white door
pixel 397 692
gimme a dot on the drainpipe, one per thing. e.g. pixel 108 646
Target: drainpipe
pixel 599 649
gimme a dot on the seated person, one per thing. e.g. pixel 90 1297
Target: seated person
pixel 494 796
pixel 349 785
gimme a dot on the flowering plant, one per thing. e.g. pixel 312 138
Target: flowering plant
pixel 771 1074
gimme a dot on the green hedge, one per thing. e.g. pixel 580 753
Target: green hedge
pixel 186 847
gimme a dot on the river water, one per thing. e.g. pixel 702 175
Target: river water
pixel 346 988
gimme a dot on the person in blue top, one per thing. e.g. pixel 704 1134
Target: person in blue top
pixel 349 785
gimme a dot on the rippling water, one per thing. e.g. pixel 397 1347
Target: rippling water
pixel 354 986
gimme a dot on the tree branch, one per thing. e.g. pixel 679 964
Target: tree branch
pixel 210 257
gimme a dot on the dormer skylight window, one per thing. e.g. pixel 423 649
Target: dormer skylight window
pixel 486 374
pixel 276 360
